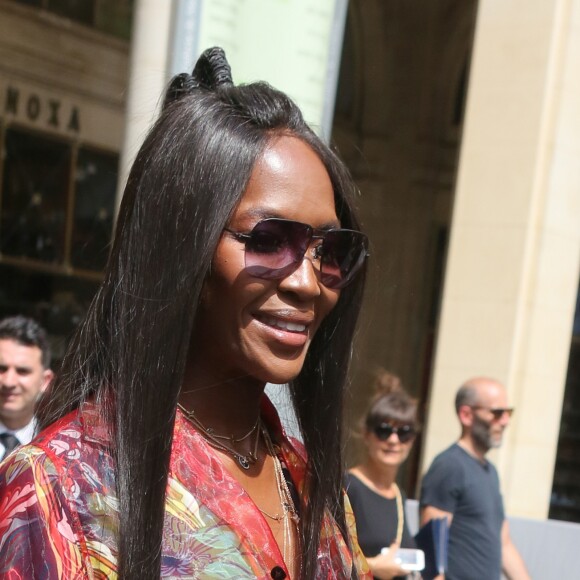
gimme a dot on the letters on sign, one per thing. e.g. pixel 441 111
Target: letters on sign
pixel 37 110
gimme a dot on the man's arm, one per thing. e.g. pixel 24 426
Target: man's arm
pixel 430 512
pixel 511 562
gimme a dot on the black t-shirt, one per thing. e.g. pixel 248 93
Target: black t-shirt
pixel 469 489
pixel 376 518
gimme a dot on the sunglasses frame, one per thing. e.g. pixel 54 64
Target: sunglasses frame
pixel 407 431
pixel 497 412
pixel 272 273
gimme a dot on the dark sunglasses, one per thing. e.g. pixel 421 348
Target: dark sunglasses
pixel 275 247
pixel 384 430
pixel 497 412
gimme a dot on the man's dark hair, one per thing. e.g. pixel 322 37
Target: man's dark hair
pixel 27 332
pixel 186 181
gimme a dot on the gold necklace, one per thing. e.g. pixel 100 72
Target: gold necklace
pixel 214 439
pixel 289 513
pixel 275 517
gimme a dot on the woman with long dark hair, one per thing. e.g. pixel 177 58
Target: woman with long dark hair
pixel 237 261
pixel 389 428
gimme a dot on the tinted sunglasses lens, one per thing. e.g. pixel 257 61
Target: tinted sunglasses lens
pixel 275 247
pixel 383 431
pixel 499 413
pixel 406 433
pixel 342 254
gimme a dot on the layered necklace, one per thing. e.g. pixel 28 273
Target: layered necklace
pixel 227 443
pixel 289 517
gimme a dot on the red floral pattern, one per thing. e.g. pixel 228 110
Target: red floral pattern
pixel 59 512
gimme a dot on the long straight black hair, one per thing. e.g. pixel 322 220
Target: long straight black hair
pixel 129 354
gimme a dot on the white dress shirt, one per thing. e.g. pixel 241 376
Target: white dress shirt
pixel 24 434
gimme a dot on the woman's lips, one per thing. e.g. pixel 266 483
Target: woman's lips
pixel 288 325
pixel 290 332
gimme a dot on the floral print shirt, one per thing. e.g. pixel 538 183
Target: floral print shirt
pixel 59 511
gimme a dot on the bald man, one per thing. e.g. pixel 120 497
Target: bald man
pixel 463 486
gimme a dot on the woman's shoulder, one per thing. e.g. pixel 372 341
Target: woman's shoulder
pixel 65 451
pixel 48 493
pixel 356 488
pixel 350 480
pixel 42 449
pixel 39 525
pixel 353 479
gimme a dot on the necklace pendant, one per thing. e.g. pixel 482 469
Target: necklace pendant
pixel 291 512
pixel 243 461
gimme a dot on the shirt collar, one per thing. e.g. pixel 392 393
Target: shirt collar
pixel 24 434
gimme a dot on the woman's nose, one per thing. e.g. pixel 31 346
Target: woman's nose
pixel 304 281
pixel 394 437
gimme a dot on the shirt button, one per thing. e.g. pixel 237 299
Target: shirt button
pixel 278 573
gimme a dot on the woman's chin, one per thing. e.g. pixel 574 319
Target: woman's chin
pixel 281 376
pixel 280 370
pixel 390 460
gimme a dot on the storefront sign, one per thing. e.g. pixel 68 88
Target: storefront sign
pixel 43 111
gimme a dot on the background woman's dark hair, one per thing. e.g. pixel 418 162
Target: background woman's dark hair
pixel 390 403
pixel 130 352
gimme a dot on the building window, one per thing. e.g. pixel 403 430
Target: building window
pixel 57 203
pixel 565 501
pixel 110 16
pixel 95 186
pixel 35 184
pixel 79 10
pixel 51 215
pixel 31 2
pixel 114 17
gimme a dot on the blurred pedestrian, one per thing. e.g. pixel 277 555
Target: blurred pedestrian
pixel 24 375
pixel 463 486
pixel 389 430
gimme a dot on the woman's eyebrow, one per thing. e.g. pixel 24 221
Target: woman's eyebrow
pixel 265 213
pixel 333 225
pixel 262 213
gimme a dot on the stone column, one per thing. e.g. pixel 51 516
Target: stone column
pixel 147 77
pixel 514 254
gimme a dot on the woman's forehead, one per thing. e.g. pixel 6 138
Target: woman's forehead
pixel 289 181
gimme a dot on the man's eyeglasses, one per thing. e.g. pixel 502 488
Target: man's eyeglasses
pixel 497 412
pixel 275 247
pixel 384 430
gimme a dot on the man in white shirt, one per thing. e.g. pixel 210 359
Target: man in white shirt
pixel 24 375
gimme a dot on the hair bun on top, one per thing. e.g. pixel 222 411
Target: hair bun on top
pixel 390 402
pixel 386 383
pixel 211 71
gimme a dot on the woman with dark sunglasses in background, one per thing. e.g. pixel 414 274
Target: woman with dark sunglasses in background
pixel 388 431
pixel 237 261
